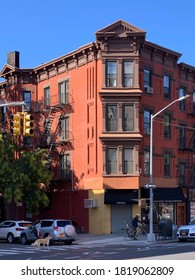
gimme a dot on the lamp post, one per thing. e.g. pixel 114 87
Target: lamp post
pixel 151 185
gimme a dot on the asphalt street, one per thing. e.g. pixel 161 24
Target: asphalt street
pixel 101 247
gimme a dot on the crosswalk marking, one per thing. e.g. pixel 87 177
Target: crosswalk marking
pixel 32 250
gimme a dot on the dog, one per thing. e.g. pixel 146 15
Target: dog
pixel 42 241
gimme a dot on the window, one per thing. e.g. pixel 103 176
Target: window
pixel 27 99
pixel 111 73
pixel 119 117
pixel 147 118
pixel 128 117
pixel 193 175
pixel 120 160
pixel 112 117
pixel 193 103
pixel 128 74
pixel 128 161
pixel 167 91
pixel 193 139
pixel 64 128
pixel 146 162
pixel 3 114
pixel 111 161
pixel 46 96
pixel 167 126
pixel 167 164
pixel 164 210
pixel 63 89
pixel 147 78
pixel 182 137
pixel 182 103
pixel 182 174
pixel 65 166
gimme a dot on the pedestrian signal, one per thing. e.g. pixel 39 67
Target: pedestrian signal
pixel 15 126
pixel 28 125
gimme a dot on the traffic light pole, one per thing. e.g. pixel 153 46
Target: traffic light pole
pixel 12 104
pixel 15 118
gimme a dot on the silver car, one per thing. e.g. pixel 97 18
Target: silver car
pixel 59 229
pixel 187 232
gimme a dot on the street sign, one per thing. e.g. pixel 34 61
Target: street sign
pixel 149 186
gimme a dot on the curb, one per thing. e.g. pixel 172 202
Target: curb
pixel 110 239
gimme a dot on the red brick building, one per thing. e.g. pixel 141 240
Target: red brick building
pixel 92 111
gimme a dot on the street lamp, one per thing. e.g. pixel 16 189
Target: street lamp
pixel 151 185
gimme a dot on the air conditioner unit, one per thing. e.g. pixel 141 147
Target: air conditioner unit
pixel 90 203
pixel 148 89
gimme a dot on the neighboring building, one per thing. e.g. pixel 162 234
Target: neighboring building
pixel 92 112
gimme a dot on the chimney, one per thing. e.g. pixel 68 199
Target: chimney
pixel 13 59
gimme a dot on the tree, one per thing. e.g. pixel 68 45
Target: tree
pixel 23 176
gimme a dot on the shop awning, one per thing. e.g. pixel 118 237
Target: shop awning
pixel 131 196
pixel 121 197
pixel 167 195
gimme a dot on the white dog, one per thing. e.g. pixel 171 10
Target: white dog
pixel 42 241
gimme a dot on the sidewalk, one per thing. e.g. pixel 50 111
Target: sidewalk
pixel 88 238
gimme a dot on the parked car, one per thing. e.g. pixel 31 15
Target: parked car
pixel 186 232
pixel 59 229
pixel 10 230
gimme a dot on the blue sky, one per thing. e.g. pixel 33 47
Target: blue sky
pixel 42 30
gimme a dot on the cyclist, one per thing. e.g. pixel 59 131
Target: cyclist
pixel 135 223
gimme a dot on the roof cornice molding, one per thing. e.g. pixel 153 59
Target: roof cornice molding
pixel 162 49
pixel 82 51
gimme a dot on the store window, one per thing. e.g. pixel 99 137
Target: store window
pixel 165 210
pixel 161 210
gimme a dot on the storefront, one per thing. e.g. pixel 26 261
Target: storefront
pixel 123 204
pixel 165 204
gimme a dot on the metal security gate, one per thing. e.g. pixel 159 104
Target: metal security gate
pixel 119 213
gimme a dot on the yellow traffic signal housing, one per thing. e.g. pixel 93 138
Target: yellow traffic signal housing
pixel 15 126
pixel 28 125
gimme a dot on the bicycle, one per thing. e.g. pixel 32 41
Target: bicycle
pixel 141 232
pixel 129 231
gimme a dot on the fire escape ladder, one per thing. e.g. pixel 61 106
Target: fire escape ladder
pixel 45 138
pixel 49 120
pixel 192 176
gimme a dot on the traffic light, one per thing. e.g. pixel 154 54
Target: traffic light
pixel 15 127
pixel 28 125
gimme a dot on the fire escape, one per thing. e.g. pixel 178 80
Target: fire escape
pixel 55 136
pixel 186 177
